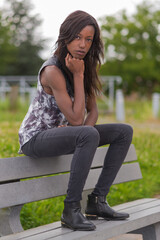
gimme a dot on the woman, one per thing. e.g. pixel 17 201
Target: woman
pixel 62 120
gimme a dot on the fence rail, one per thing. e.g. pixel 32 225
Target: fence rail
pixel 16 79
pixel 26 84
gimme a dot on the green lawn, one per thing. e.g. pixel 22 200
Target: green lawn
pixel 146 140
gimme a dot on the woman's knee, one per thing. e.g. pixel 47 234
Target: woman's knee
pixel 127 131
pixel 90 134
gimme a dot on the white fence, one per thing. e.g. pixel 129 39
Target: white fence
pixel 26 84
pixel 109 83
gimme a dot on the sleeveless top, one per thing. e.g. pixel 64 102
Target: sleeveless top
pixel 43 112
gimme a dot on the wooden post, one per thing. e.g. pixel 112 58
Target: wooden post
pixel 13 97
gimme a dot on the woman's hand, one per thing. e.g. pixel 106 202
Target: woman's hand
pixel 75 65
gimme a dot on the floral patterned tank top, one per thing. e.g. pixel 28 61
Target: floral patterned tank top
pixel 43 112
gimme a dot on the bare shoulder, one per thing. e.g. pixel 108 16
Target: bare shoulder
pixel 51 78
pixel 50 70
pixel 51 73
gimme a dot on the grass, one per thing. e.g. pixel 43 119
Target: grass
pixel 146 140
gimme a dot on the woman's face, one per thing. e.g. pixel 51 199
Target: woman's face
pixel 80 46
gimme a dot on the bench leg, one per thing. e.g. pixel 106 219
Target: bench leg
pixel 157 230
pixel 151 232
pixel 10 220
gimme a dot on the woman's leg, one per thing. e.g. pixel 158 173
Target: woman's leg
pixel 80 140
pixel 119 136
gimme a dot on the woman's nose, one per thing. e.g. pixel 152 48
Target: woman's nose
pixel 82 43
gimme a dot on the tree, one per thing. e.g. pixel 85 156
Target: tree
pixel 7 49
pixel 23 36
pixel 132 48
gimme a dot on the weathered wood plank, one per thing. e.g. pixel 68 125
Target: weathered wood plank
pixel 128 172
pixel 26 167
pixel 128 237
pixel 55 228
pixel 116 228
pixel 47 187
pixel 148 214
pixel 142 203
pixel 143 206
pixel 124 206
pixel 104 230
pixel 21 192
pixel 34 231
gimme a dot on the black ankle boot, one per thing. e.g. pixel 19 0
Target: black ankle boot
pixel 74 219
pixel 98 207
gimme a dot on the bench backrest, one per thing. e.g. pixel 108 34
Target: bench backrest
pixel 24 179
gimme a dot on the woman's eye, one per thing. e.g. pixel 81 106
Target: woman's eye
pixel 77 37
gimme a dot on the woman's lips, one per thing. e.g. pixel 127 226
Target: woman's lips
pixel 81 53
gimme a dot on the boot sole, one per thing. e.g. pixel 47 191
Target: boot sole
pixel 63 224
pixel 91 217
pixel 95 217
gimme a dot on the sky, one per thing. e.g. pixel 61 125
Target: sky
pixel 53 13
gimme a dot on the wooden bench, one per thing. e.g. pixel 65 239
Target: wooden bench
pixel 15 192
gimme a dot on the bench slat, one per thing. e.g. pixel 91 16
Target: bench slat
pixel 139 206
pixel 124 206
pixel 36 231
pixel 146 216
pixel 26 167
pixel 116 228
pixel 48 187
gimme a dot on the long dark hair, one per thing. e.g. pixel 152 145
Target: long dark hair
pixel 72 26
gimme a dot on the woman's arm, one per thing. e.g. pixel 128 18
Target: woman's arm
pixel 92 111
pixel 54 79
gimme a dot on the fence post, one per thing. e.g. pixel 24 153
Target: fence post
pixel 3 90
pixel 120 111
pixel 22 88
pixel 14 97
pixel 111 95
pixel 155 104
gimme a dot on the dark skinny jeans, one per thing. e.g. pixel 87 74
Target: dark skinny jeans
pixel 83 141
